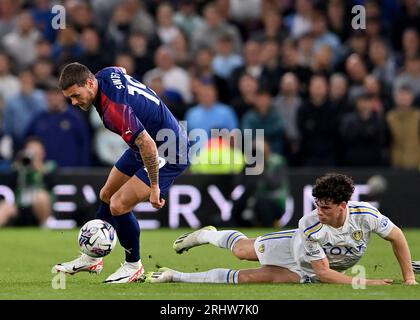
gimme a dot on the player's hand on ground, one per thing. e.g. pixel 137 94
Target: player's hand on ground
pixel 410 282
pixel 379 282
pixel 155 199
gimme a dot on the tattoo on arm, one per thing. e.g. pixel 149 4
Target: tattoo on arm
pixel 149 154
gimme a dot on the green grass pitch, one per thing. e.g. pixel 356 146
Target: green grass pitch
pixel 27 257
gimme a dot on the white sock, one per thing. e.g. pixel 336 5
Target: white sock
pixel 222 239
pixel 134 265
pixel 228 276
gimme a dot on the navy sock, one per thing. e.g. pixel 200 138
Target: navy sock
pixel 104 213
pixel 128 231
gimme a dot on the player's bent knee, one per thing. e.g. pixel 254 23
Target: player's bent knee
pixel 241 249
pixel 105 195
pixel 118 206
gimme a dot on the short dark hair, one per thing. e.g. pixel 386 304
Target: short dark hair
pixel 333 187
pixel 74 73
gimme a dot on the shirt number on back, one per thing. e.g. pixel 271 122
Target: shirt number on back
pixel 135 86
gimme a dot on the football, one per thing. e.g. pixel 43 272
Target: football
pixel 97 238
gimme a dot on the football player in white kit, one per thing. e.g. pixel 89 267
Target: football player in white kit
pixel 329 240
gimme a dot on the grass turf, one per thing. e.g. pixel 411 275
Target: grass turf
pixel 28 255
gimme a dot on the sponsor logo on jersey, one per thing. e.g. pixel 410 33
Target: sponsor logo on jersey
pixel 357 235
pixel 310 244
pixel 384 222
pixel 312 253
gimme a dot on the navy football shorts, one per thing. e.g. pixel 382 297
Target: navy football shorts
pixel 130 163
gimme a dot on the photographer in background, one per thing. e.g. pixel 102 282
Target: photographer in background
pixel 32 176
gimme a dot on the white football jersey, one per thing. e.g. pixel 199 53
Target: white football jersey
pixel 344 246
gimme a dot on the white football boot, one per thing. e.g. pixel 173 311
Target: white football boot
pixel 189 240
pixel 82 263
pixel 161 276
pixel 127 273
pixel 416 266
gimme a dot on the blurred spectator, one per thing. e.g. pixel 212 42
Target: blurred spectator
pixel 81 15
pixel 290 63
pixel 127 62
pixel 338 94
pixel 244 10
pixel 408 18
pixel 253 65
pixel 323 61
pixel 214 26
pixel 338 19
pixel 93 56
pixel 9 84
pixel 43 72
pixel 170 98
pixel 104 9
pixel 273 27
pixel 142 19
pixel 43 49
pixel 410 76
pixel 21 42
pixel 119 27
pixel 8 16
pixel 404 125
pixel 318 127
pixel 322 36
pixel 374 27
pixel 33 182
pixel 383 63
pixel 265 116
pixel 187 17
pixel 244 102
pixel 305 49
pixel 139 50
pixel 209 113
pixel 300 22
pixel 166 28
pixel 225 59
pixel 67 47
pixel 379 93
pixel 204 73
pixel 287 104
pixel 6 152
pixel 357 72
pixel 363 135
pixel 43 17
pixel 264 199
pixel 410 46
pixel 174 78
pixel 180 47
pixel 270 57
pixel 63 132
pixel 356 44
pixel 21 109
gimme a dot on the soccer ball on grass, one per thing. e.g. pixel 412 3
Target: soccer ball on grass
pixel 97 238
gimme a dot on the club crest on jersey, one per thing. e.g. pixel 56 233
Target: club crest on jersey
pixel 357 235
pixel 261 248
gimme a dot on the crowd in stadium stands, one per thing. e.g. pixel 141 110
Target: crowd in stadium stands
pixel 325 94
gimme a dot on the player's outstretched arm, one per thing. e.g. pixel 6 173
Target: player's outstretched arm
pixel 149 154
pixel 402 253
pixel 327 275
